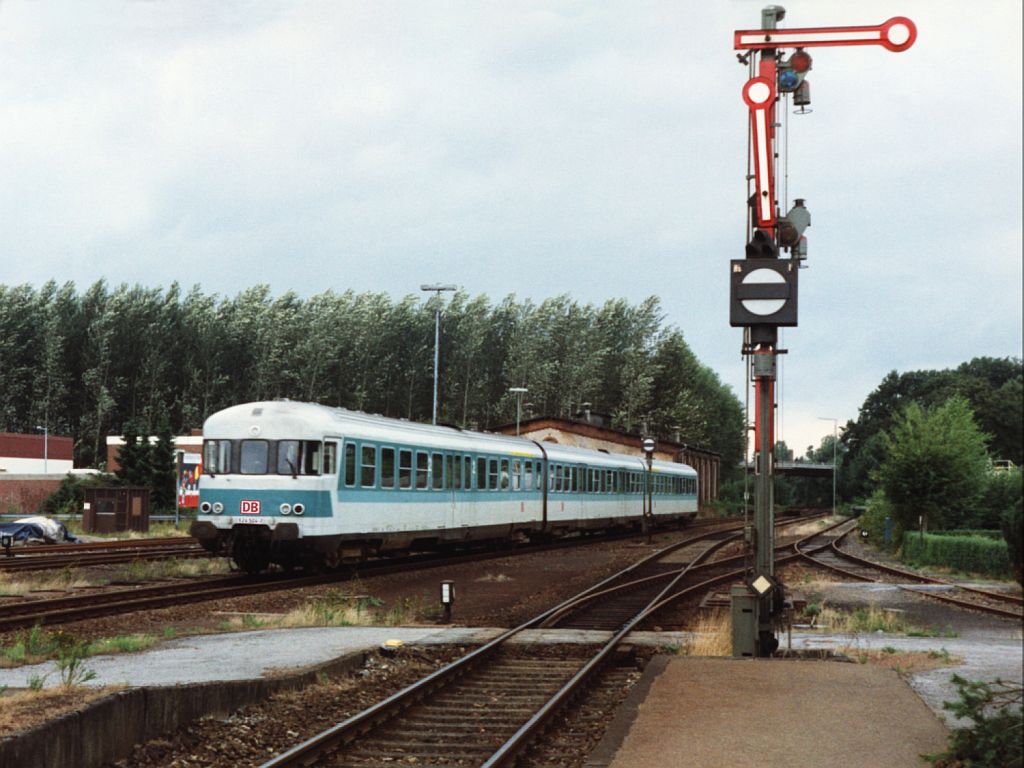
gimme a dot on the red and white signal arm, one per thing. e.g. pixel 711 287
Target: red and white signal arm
pixel 896 34
pixel 759 95
pixel 249 506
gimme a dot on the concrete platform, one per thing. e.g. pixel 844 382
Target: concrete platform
pixel 731 713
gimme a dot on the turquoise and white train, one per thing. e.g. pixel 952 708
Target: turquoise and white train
pixel 295 483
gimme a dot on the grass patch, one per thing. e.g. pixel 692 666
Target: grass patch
pixel 340 609
pixel 37 645
pixel 868 620
pixel 174 568
pixel 712 636
pixel 903 663
pixel 57 581
pixel 157 530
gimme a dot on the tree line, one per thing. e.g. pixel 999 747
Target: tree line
pixel 89 364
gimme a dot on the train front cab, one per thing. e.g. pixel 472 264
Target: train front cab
pixel 258 497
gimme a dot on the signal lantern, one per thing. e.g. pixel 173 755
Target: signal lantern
pixel 800 61
pixel 793 70
pixel 762 246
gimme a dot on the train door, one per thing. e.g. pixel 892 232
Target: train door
pixel 331 470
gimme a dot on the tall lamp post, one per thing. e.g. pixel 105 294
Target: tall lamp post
pixel 518 392
pixel 46 448
pixel 437 288
pixel 835 442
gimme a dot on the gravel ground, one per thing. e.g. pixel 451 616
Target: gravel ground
pixel 503 592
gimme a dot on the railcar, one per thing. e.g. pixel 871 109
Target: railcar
pixel 293 483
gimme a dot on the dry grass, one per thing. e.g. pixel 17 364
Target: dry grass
pixel 151 570
pixel 21 710
pixel 712 636
pixel 45 581
pixel 903 662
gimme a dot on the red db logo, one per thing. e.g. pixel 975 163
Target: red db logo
pixel 249 507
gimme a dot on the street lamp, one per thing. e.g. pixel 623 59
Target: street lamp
pixel 518 392
pixel 46 449
pixel 835 442
pixel 437 288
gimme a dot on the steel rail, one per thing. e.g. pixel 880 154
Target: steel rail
pixel 967 604
pixel 347 731
pixel 1001 596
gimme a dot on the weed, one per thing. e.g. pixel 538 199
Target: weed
pixel 994 738
pixel 71 664
pixel 122 644
pixel 36 682
pixel 943 654
pixel 888 649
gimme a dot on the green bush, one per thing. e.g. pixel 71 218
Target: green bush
pixel 1013 533
pixel 983 533
pixel 873 521
pixel 995 736
pixel 974 554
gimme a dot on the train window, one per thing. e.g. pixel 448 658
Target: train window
pixel 449 473
pixel 254 457
pixel 350 464
pixel 570 479
pixel 405 469
pixel 528 478
pixel 288 457
pixel 311 455
pixel 387 468
pixel 481 474
pixel 492 474
pixel 368 462
pixel 517 472
pixel 422 470
pixel 503 475
pixel 437 467
pixel 467 472
pixel 216 456
pixel 330 458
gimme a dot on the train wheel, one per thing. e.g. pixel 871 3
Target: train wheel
pixel 250 553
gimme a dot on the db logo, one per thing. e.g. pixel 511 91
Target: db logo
pixel 249 507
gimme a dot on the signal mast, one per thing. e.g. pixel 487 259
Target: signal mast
pixel 763 286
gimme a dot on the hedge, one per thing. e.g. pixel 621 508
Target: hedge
pixel 973 554
pixel 985 533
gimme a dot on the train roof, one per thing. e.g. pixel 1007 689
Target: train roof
pixel 288 419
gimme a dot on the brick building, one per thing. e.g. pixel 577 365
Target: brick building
pixel 31 468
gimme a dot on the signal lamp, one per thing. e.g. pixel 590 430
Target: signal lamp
pixel 762 246
pixel 298 509
pixel 788 80
pixel 800 61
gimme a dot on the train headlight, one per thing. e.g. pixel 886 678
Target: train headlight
pixel 298 509
pixel 205 507
pixel 286 509
pixel 217 507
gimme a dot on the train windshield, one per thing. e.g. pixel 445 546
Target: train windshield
pixel 269 457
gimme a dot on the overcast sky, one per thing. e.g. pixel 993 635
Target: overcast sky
pixel 536 148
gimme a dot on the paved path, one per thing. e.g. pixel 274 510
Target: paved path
pixel 987 654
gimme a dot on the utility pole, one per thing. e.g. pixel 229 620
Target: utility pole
pixel 437 288
pixel 763 286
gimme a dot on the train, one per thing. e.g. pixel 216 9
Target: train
pixel 296 484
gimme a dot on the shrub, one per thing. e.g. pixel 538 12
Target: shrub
pixel 995 737
pixel 974 554
pixel 1013 533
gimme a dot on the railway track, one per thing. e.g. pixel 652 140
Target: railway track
pixel 488 707
pixel 825 552
pixel 18 615
pixel 100 553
